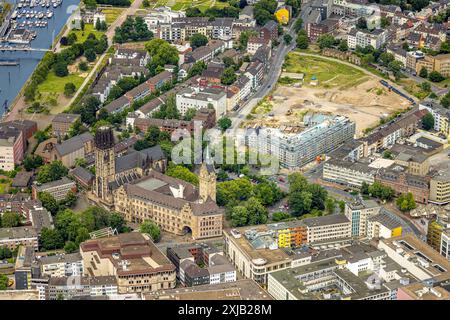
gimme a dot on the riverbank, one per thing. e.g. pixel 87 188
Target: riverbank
pixel 17 78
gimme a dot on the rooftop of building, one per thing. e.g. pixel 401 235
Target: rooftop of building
pixel 130 253
pixel 73 144
pixel 421 255
pixel 17 233
pixel 245 289
pixel 326 220
pixel 60 258
pixel 258 256
pixel 66 118
pixel 53 184
pixel 420 291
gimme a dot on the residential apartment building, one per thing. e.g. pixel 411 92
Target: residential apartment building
pixel 328 228
pixel 68 288
pixel 296 150
pixel 197 98
pixel 18 236
pixel 439 63
pixel 358 212
pixel 440 114
pixel 440 187
pixel 58 189
pixel 13 142
pixel 383 226
pixel 61 265
pixel 444 249
pixel 363 38
pixel 132 259
pixel 62 123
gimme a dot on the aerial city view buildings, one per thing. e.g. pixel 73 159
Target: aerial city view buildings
pixel 136 139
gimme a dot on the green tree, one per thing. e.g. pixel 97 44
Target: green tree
pixel 300 203
pixel 445 101
pixel 279 216
pixel 302 41
pixel 10 219
pixel 69 89
pixel 162 53
pixel 239 216
pixel 50 239
pixel 32 162
pixel 325 41
pixel 425 86
pixel 198 40
pixel 70 247
pixel 423 72
pixel 428 121
pixel 224 123
pixel 51 172
pixel 152 229
pixel 228 76
pixel 330 205
pixel 90 55
pixel 183 173
pixel 4 282
pixel 60 69
pixel 48 202
pixel 343 46
pixel 298 25
pixel 405 202
pixel 435 76
pixel 83 66
pixel 287 39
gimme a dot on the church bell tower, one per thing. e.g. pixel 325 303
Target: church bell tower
pixel 104 163
pixel 207 182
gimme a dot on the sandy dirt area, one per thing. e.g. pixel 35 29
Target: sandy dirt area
pixel 365 103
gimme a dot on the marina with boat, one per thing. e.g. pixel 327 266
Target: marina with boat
pixel 27 16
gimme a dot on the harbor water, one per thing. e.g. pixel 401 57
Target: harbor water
pixel 13 76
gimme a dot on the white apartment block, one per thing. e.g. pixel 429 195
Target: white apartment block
pixel 358 213
pixel 64 265
pixel 202 98
pixel 445 244
pixel 348 173
pixel 327 228
pixel 364 38
pixel 296 150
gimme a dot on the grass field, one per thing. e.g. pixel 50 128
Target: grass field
pixel 56 84
pixel 329 73
pixel 112 14
pixel 88 28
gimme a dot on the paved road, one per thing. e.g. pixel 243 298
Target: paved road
pixel 270 80
pixel 391 207
pixel 437 90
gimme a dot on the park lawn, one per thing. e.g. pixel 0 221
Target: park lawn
pixel 88 28
pixel 111 14
pixel 331 74
pixel 413 88
pixel 4 188
pixel 55 84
